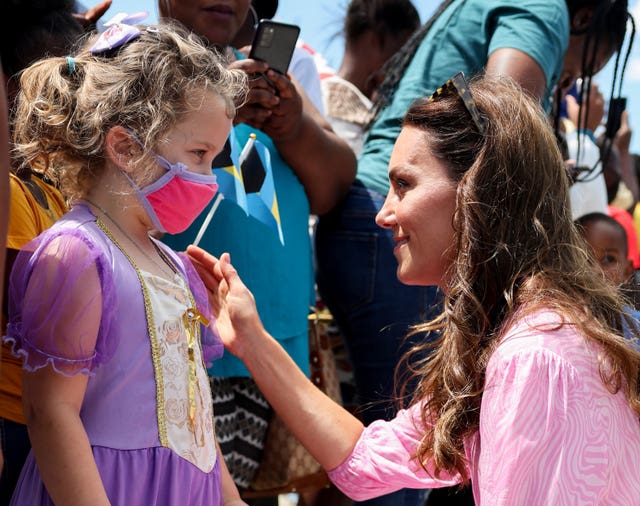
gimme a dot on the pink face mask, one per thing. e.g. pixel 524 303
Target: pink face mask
pixel 175 200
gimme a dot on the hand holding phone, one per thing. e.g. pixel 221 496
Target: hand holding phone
pixel 274 43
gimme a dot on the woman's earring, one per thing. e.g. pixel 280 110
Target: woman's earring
pixel 254 15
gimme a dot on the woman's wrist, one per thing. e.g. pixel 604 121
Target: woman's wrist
pixel 252 344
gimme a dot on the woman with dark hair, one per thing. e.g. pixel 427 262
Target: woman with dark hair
pixel 530 391
pixel 374 31
pixel 541 45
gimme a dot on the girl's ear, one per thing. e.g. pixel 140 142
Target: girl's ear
pixel 581 20
pixel 121 147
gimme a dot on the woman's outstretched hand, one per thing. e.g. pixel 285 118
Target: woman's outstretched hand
pixel 325 428
pixel 232 302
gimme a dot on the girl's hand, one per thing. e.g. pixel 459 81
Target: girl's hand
pixel 233 305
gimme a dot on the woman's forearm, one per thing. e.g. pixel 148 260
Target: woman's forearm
pixel 324 163
pixel 327 430
pixel 324 427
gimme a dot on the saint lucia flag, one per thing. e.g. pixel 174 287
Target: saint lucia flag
pixel 246 178
pixel 228 177
pixel 257 178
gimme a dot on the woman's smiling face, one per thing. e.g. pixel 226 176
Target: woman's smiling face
pixel 419 210
pixel 217 20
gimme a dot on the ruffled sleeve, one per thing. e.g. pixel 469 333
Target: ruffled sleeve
pixel 61 303
pixel 212 347
pixel 382 460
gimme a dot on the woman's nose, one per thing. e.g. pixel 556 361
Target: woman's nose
pixel 386 216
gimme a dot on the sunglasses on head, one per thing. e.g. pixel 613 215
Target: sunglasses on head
pixel 461 87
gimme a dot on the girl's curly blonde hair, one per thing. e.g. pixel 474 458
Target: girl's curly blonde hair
pixel 147 85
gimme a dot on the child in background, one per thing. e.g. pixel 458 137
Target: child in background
pixel 608 241
pixel 113 326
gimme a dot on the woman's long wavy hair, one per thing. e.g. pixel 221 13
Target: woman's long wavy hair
pixel 516 249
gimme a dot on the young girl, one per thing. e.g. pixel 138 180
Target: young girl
pixel 530 391
pixel 113 326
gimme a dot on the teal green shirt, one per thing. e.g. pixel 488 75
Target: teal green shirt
pixel 462 39
pixel 280 276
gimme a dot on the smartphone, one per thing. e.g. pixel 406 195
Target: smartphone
pixel 616 106
pixel 274 43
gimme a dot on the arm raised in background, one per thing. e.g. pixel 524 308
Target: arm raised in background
pixel 89 18
pixel 623 143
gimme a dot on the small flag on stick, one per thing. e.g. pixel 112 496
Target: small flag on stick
pixel 246 178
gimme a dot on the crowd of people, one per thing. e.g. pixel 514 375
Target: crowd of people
pixel 476 236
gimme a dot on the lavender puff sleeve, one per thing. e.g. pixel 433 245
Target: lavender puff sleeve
pixel 61 303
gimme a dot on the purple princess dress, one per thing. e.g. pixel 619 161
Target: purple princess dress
pixel 147 410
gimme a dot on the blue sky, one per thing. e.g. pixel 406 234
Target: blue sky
pixel 321 21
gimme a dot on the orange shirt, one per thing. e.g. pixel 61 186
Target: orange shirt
pixel 27 219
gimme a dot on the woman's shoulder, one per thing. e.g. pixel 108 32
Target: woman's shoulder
pixel 541 336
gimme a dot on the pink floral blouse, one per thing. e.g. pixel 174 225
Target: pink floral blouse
pixel 550 431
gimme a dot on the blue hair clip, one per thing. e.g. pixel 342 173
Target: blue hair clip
pixel 71 64
pixel 120 30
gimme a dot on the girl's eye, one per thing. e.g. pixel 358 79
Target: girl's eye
pixel 609 259
pixel 199 152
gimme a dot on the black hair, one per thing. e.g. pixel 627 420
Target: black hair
pixel 608 21
pixel 610 157
pixel 265 9
pixel 608 24
pixel 32 29
pixel 384 17
pixel 585 220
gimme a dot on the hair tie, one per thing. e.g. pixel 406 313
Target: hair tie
pixel 71 63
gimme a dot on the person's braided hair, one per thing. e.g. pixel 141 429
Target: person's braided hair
pixel 608 24
pixel 608 21
pixel 395 67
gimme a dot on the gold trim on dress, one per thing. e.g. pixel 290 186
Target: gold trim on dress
pixel 153 338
